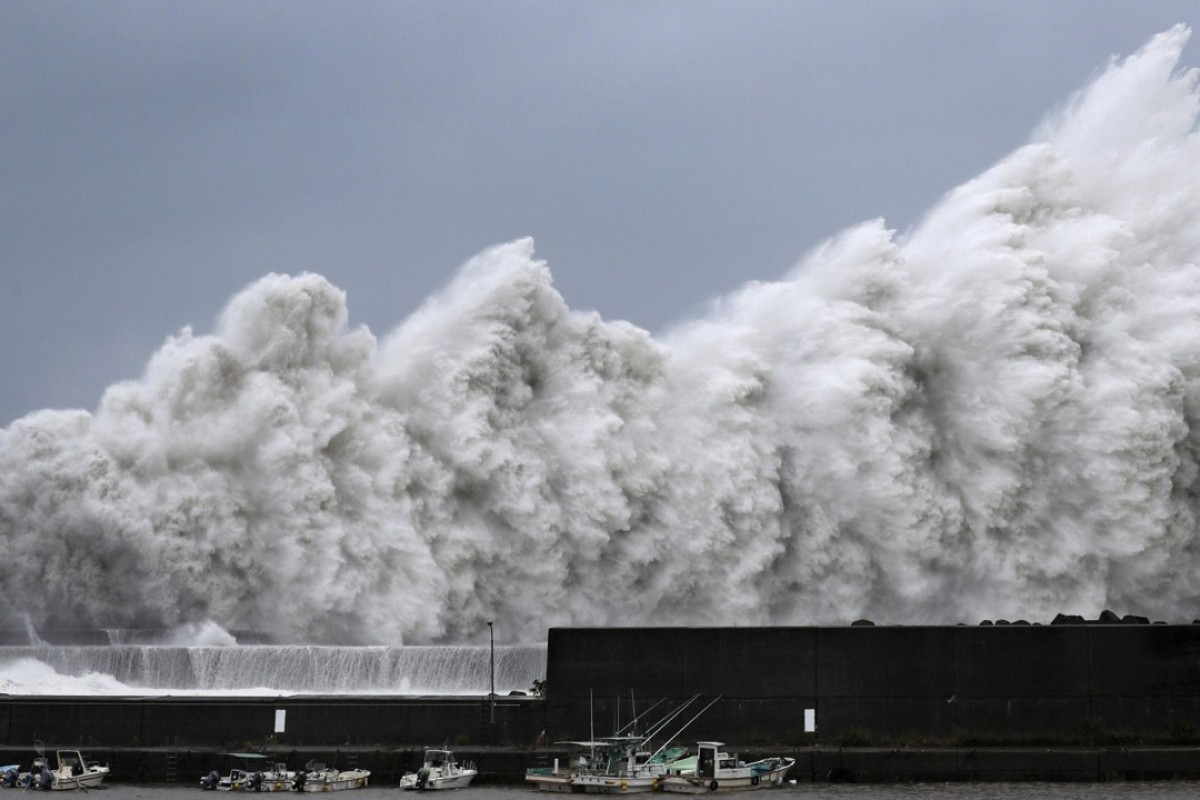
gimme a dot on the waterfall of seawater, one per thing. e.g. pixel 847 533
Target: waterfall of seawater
pixel 30 631
pixel 272 669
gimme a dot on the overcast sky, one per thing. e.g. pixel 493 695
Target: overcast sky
pixel 156 157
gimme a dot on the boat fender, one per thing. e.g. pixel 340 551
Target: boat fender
pixel 754 780
pixel 712 786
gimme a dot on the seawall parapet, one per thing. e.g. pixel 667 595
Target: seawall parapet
pixel 900 686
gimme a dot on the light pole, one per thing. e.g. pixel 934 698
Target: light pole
pixel 492 694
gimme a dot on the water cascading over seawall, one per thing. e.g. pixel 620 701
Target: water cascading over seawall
pixel 267 669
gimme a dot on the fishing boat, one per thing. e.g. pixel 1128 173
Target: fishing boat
pixel 439 770
pixel 254 774
pixel 316 777
pixel 71 771
pixel 626 766
pixel 715 770
pixel 621 764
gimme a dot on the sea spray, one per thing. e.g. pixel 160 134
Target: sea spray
pixel 268 670
pixel 988 415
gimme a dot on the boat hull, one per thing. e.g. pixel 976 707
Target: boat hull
pixel 66 783
pixel 459 781
pixel 349 779
pixel 87 781
pixel 605 784
pixel 552 782
pixel 266 785
pixel 754 776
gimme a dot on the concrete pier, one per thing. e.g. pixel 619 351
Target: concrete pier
pixel 1075 702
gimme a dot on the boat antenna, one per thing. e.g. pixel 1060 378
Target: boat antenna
pixel 647 711
pixel 689 722
pixel 662 723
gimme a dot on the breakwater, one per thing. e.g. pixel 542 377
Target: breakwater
pixel 152 667
pixel 1054 685
pixel 993 702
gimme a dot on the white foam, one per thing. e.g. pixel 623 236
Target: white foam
pixel 993 414
pixel 31 677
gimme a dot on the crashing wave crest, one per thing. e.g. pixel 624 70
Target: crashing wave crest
pixel 989 415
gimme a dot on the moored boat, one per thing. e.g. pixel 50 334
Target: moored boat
pixel 439 770
pixel 626 765
pixel 319 778
pixel 717 771
pixel 621 764
pixel 255 774
pixel 555 778
pixel 71 771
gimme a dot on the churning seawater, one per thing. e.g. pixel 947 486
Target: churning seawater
pixel 922 791
pixel 995 414
pixel 267 670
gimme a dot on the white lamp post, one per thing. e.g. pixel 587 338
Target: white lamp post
pixel 492 694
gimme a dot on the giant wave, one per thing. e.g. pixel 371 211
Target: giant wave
pixel 988 415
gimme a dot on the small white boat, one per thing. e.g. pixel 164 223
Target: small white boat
pixel 718 771
pixel 556 778
pixel 439 770
pixel 255 775
pixel 71 771
pixel 319 778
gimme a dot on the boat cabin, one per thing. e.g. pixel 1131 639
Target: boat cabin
pixel 623 755
pixel 710 760
pixel 70 762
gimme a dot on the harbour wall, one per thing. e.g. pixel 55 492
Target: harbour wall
pixel 249 723
pixel 1079 684
pixel 992 702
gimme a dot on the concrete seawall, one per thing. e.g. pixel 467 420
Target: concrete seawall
pixel 1010 684
pixel 247 723
pixel 986 703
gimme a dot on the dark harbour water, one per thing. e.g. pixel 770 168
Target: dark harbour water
pixel 1178 790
